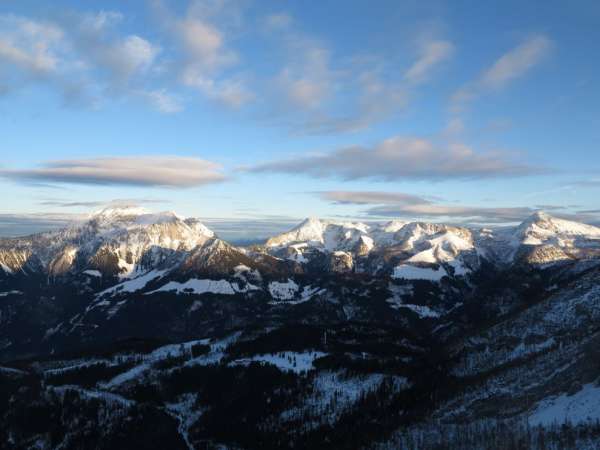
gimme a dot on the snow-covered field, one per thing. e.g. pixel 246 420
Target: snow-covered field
pixel 580 407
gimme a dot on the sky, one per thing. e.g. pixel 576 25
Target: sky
pixel 253 115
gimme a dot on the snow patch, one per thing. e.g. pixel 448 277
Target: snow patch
pixel 409 272
pixel 197 286
pixel 283 291
pixel 93 273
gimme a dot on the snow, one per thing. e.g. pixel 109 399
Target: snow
pixel 308 292
pixel 368 241
pixel 424 312
pixel 543 229
pixel 198 286
pixel 418 273
pixel 93 273
pixel 115 212
pixel 459 268
pixel 581 407
pixel 107 397
pixel 5 268
pixel 334 393
pixel 11 371
pixel 6 294
pixel 161 353
pixel 186 413
pixel 326 234
pixel 287 361
pixel 283 291
pixel 393 226
pixel 135 284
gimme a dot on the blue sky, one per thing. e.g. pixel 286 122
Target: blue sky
pixel 263 113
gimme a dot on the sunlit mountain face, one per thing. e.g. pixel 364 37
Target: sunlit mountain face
pixel 243 224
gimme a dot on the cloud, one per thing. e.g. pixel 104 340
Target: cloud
pixel 510 66
pixel 230 92
pixel 128 56
pixel 319 92
pixel 465 213
pixel 94 204
pixel 402 205
pixel 155 171
pixel 593 183
pixel 306 81
pixel 162 101
pixel 82 55
pixel 411 207
pixel 32 46
pixel 433 52
pixel 517 62
pixel 205 51
pixel 399 158
pixel 372 197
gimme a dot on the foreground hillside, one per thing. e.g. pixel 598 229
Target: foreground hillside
pixel 133 329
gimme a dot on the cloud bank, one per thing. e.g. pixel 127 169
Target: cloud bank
pixel 148 171
pixel 401 158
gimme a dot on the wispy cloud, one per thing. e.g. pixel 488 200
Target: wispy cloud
pixel 84 56
pixel 512 65
pixel 204 50
pixel 400 158
pixel 432 53
pixel 319 92
pixel 159 171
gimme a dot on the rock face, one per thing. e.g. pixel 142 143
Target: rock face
pixel 341 262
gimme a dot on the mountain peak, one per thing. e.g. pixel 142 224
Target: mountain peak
pixel 119 211
pixel 541 228
pixel 540 216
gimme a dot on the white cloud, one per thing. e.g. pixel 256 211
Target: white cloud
pixel 510 66
pixel 83 56
pixel 127 57
pixel 433 52
pixel 517 62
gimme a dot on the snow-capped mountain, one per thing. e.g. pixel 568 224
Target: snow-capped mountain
pixel 128 242
pixel 114 241
pixel 432 251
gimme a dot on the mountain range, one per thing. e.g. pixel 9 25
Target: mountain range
pixel 413 330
